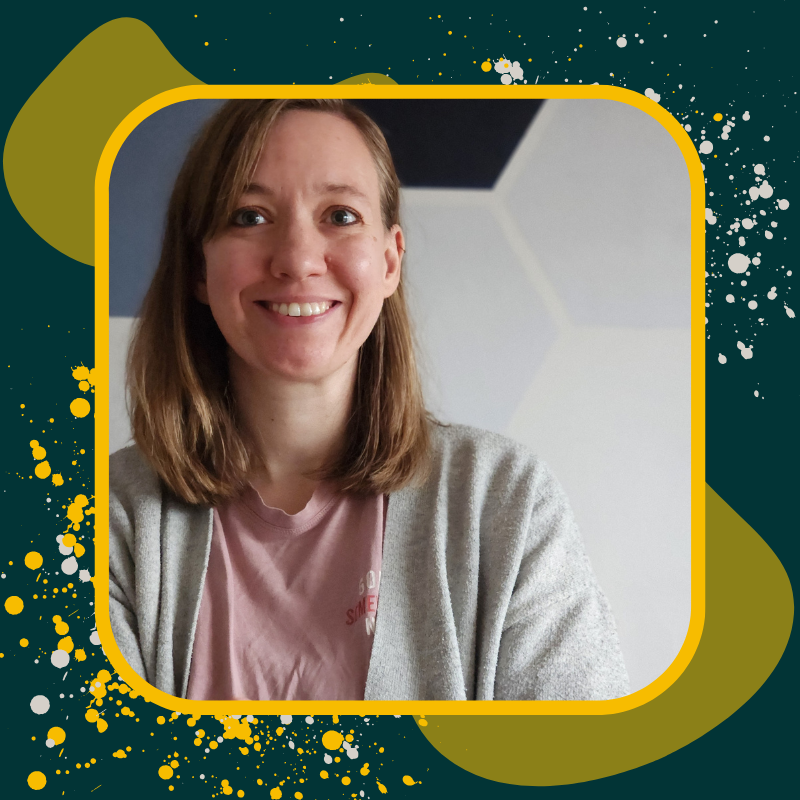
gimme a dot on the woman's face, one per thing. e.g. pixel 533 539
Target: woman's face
pixel 297 279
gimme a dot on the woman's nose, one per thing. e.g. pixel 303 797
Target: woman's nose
pixel 298 251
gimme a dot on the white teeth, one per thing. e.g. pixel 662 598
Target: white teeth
pixel 300 309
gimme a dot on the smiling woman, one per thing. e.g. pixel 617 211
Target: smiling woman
pixel 291 523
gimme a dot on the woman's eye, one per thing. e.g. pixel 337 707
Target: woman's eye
pixel 247 218
pixel 344 216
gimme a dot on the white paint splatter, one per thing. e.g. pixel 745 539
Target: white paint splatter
pixel 40 704
pixel 654 96
pixel 730 298
pixel 69 565
pixel 783 204
pixel 710 218
pixel 752 305
pixel 688 127
pixel 747 352
pixel 722 359
pixel 772 294
pixel 759 169
pixel 94 637
pixel 747 223
pixel 768 234
pixel 622 41
pixel 59 659
pixel 746 116
pixel 706 147
pixel 738 263
pixel 327 759
pixel 84 575
pixel 753 192
pixel 765 190
pixel 310 720
pixel 286 719
pixel 789 312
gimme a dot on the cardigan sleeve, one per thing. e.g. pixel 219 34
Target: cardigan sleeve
pixel 129 482
pixel 559 639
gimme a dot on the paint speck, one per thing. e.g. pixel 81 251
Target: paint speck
pixel 752 305
pixel 84 575
pixel 729 297
pixel 37 780
pixel 40 704
pixel 69 565
pixel 622 42
pixel 408 780
pixel 772 294
pixel 59 659
pixel 789 312
pixel 783 204
pixel 746 116
pixel 722 359
pixel 738 263
pixel 766 138
pixel 14 605
pixel 79 407
pixel 747 352
pixel 706 147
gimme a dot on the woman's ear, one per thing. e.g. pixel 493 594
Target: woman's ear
pixel 395 248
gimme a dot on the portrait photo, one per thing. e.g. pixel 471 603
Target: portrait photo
pixel 400 399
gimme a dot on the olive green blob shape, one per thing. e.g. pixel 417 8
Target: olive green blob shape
pixel 374 78
pixel 57 138
pixel 749 610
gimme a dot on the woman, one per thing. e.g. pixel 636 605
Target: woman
pixel 286 473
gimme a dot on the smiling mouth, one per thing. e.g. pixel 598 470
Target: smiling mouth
pixel 300 309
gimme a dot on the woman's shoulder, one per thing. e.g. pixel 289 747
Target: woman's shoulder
pixel 465 442
pixel 130 476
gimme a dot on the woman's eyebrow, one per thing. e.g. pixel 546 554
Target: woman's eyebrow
pixel 323 188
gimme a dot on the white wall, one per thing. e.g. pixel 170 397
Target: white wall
pixel 555 309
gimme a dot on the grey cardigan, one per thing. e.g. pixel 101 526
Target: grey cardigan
pixel 486 591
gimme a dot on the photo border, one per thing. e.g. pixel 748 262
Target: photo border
pixel 408 707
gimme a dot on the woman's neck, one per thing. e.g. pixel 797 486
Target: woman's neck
pixel 298 428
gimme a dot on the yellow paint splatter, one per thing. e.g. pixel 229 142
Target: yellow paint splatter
pixel 37 780
pixel 38 452
pixel 23 643
pixel 383 789
pixel 92 715
pixel 66 644
pixel 62 628
pixel 79 407
pixel 165 772
pixel 14 604
pixel 408 780
pixel 75 512
pixel 33 560
pixel 42 470
pixel 346 780
pixel 102 725
pixel 332 740
pixel 79 550
pixel 717 117
pixel 80 655
pixel 69 539
pixel 84 386
pixel 275 793
pixel 57 735
pixel 323 774
pixel 120 754
pixel 57 480
pixel 365 768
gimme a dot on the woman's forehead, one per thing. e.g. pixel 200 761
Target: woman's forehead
pixel 320 149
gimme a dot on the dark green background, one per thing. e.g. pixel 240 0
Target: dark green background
pixel 752 444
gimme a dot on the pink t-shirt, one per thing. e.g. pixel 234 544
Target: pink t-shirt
pixel 289 603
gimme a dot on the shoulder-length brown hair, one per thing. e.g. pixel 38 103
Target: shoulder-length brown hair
pixel 183 413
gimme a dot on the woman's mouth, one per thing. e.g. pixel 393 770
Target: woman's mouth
pixel 299 309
